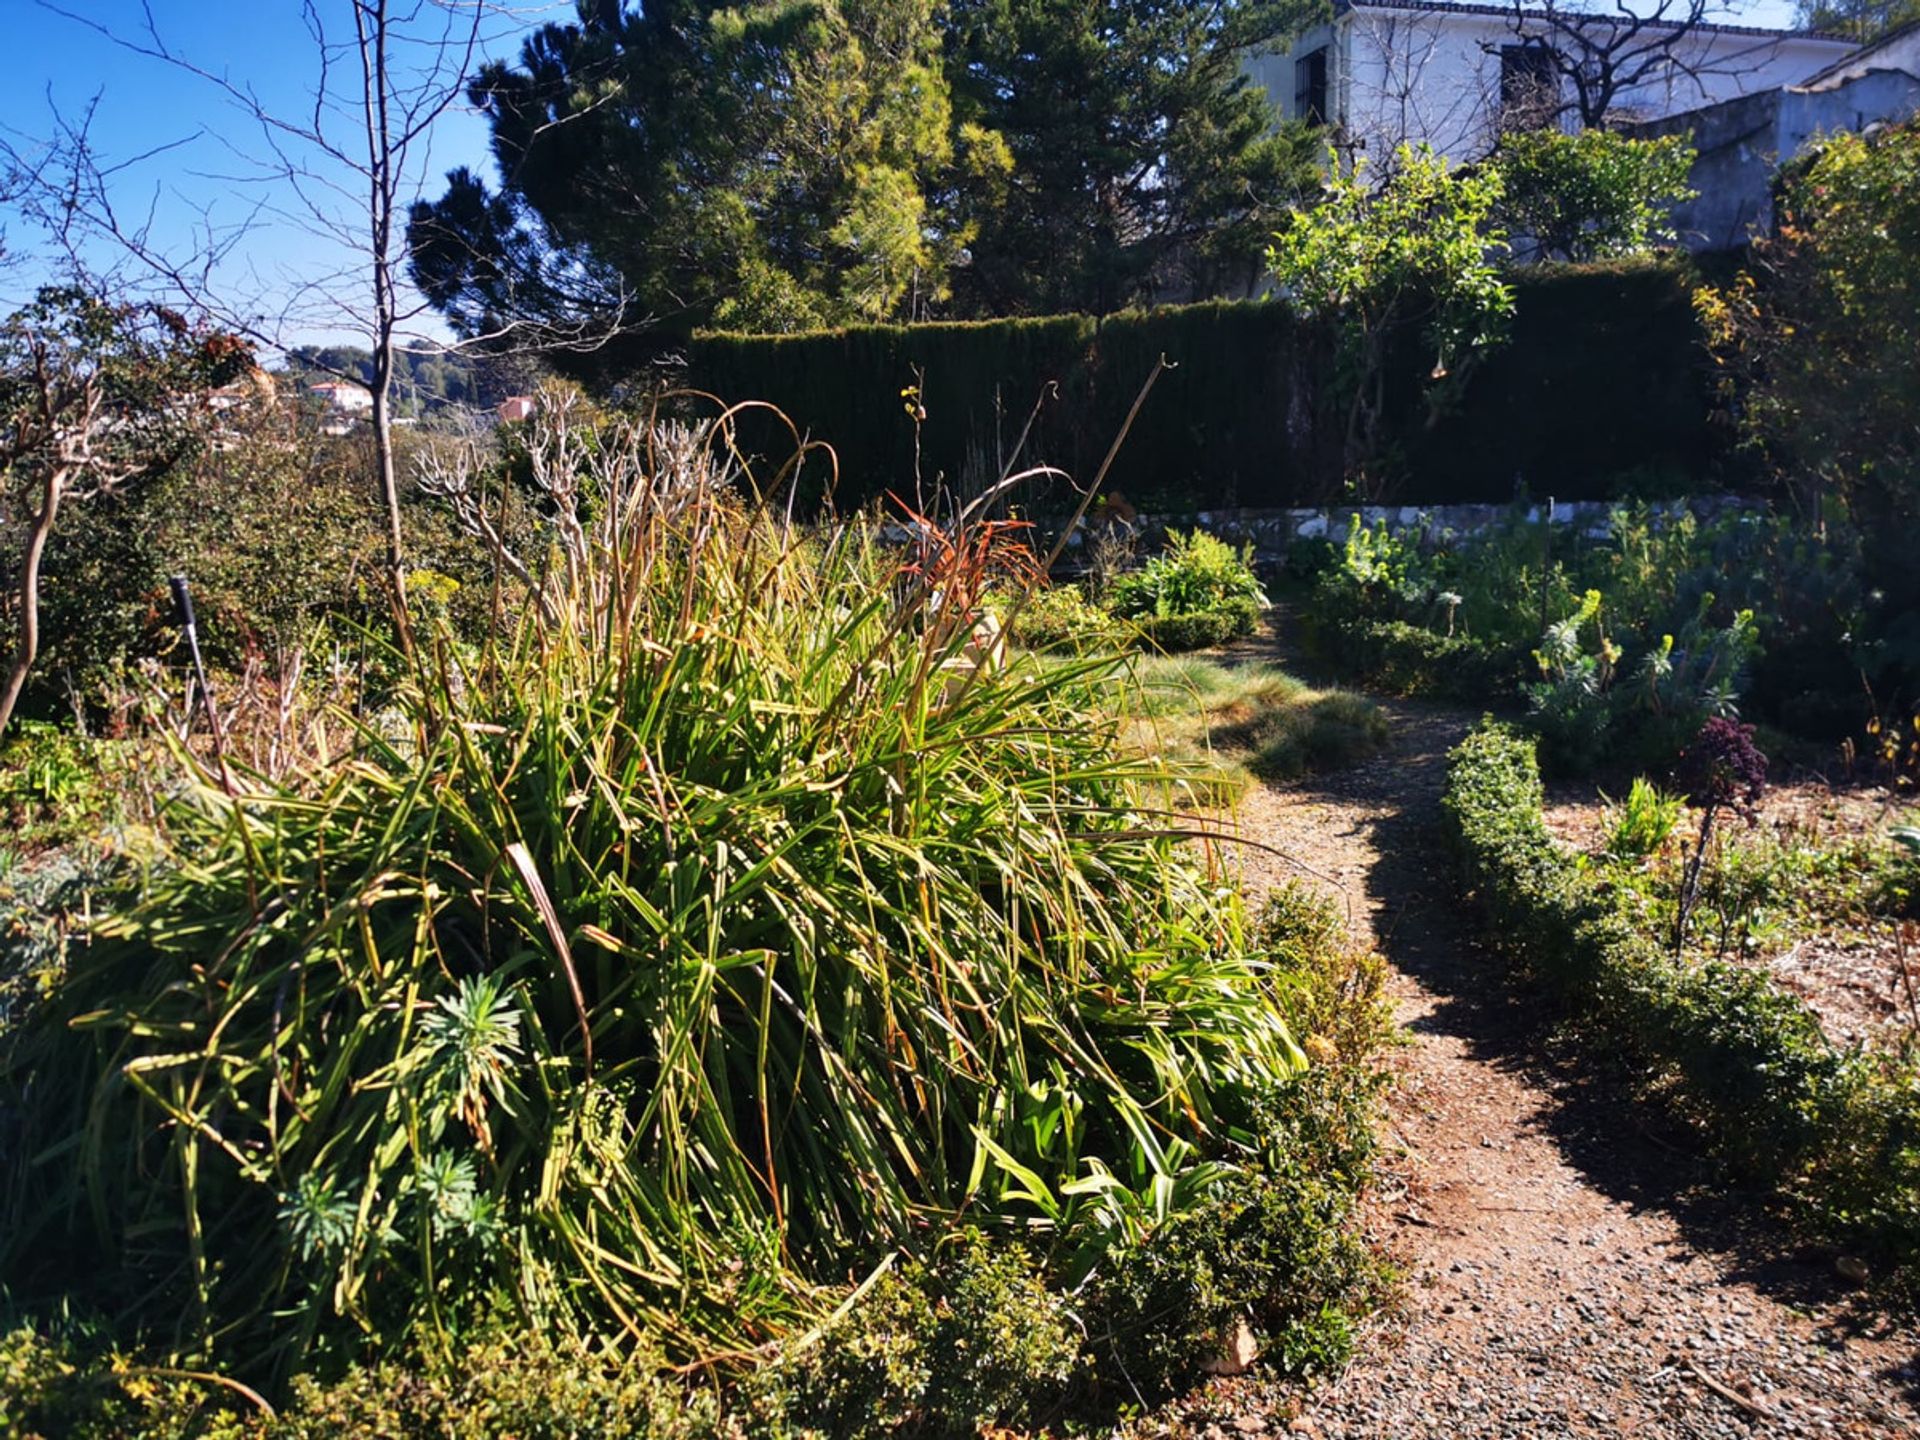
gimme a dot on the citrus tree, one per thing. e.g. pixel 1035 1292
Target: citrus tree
pixel 1415 252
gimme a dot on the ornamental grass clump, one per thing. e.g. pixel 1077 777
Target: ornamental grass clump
pixel 657 970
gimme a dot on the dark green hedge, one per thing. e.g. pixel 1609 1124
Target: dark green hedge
pixel 1404 659
pixel 1604 376
pixel 1837 1134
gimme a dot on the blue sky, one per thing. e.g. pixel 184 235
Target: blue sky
pixel 210 171
pixel 213 147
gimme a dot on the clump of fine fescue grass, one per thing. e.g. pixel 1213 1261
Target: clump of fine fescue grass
pixel 1227 725
pixel 720 931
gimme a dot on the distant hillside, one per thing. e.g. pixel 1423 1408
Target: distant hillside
pixel 421 383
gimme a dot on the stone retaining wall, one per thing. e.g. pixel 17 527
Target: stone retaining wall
pixel 1273 532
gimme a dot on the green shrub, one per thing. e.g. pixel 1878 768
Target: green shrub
pixel 1061 618
pixel 1589 705
pixel 1437 620
pixel 56 1386
pixel 1196 593
pixel 1405 659
pixel 974 1340
pixel 1280 1253
pixel 1810 344
pixel 1622 645
pixel 1196 573
pixel 1407 257
pixel 522 1385
pixel 1593 194
pixel 45 901
pixel 519 1385
pixel 55 783
pixel 1643 824
pixel 1177 634
pixel 1835 1134
pixel 1278 1250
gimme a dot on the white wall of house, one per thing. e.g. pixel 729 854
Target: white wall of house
pixel 1898 51
pixel 1421 72
pixel 1739 144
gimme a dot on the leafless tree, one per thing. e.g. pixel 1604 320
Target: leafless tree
pixel 1396 96
pixel 1588 59
pixel 345 168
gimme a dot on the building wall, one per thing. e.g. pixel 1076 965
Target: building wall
pixel 1432 75
pixel 1742 142
pixel 1899 50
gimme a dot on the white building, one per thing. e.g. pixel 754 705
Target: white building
pixel 343 396
pixel 1740 143
pixel 1385 72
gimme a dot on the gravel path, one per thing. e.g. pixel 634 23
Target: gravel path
pixel 1569 1271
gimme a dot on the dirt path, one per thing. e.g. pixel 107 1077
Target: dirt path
pixel 1569 1272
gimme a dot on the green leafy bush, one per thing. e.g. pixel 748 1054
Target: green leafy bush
pixel 1594 194
pixel 501 1385
pixel 1837 1135
pixel 1414 619
pixel 55 783
pixel 1278 1249
pixel 1201 630
pixel 1812 337
pixel 1644 822
pixel 1198 592
pixel 1407 659
pixel 973 1339
pixel 1635 636
pixel 1587 709
pixel 1060 618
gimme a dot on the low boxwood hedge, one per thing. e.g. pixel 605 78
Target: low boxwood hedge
pixel 1199 629
pixel 1406 659
pixel 1835 1134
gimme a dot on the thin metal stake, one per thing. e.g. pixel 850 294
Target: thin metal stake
pixel 183 609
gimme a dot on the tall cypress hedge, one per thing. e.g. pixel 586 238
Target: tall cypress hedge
pixel 1604 374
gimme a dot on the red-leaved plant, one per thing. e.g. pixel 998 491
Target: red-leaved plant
pixel 1722 770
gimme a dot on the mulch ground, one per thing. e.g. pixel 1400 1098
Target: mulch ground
pixel 1859 975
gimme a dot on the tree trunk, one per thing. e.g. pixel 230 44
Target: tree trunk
pixel 28 647
pixel 1690 885
pixel 370 18
pixel 390 486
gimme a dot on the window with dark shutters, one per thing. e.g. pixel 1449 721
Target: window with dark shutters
pixel 1310 87
pixel 1529 86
